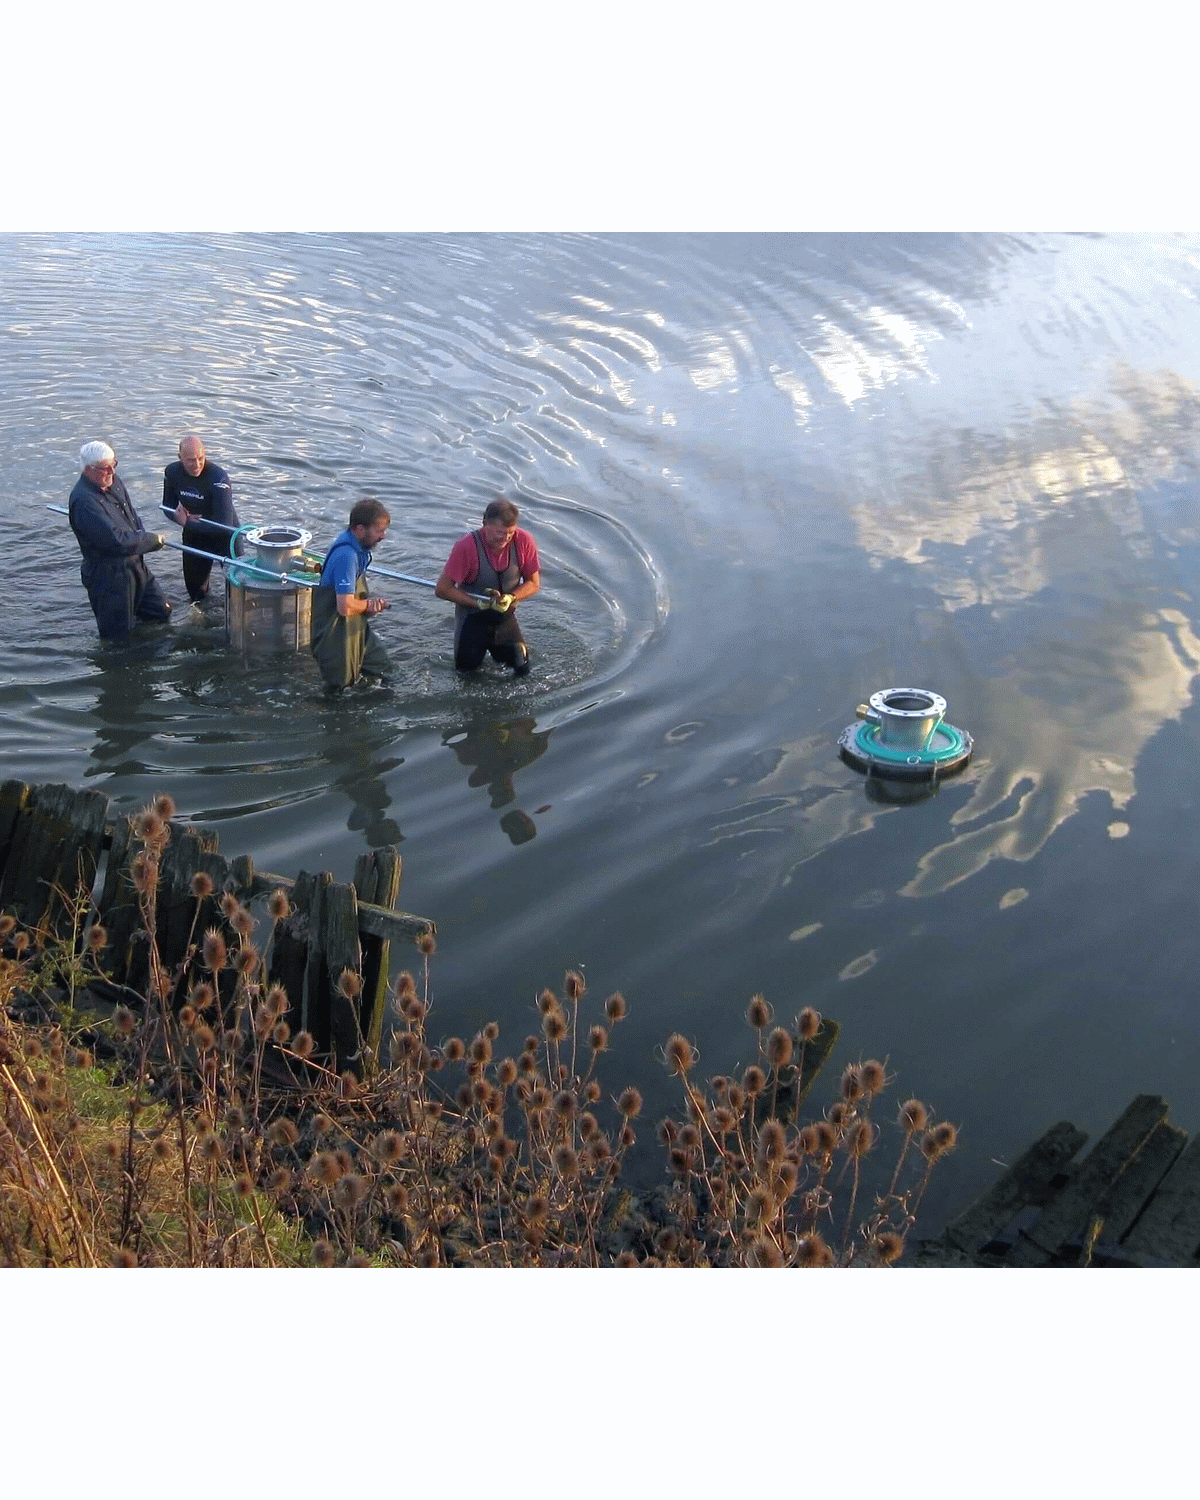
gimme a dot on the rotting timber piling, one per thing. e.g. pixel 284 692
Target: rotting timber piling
pixel 56 842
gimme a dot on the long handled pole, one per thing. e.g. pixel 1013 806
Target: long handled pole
pixel 425 583
pixel 308 582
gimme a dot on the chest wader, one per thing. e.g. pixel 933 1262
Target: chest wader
pixel 345 646
pixel 478 631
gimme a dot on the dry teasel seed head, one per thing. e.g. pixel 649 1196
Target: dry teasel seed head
pixel 123 1259
pixel 491 1031
pixel 764 1253
pixel 481 1049
pixel 574 984
pixel 280 1180
pixel 201 885
pixel 426 943
pixel 454 1049
pixel 396 1198
pixel 246 960
pixel 350 1191
pixel 808 1023
pixel 873 1075
pixel 164 805
pixel 229 904
pixel 772 1141
pixel 888 1247
pixel 303 1044
pixel 860 1139
pixel 204 1037
pixel 213 951
pixel 547 1001
pixel 779 1047
pixel 242 922
pixel 349 984
pixel 506 1071
pixel 281 1033
pixel 851 1087
pixel 202 995
pixel 389 1146
pixel 629 1103
pixel 597 1038
pixel 323 1253
pixel 283 1133
pixel 614 1006
pixel 123 1020
pixel 566 1161
pixel 946 1136
pixel 209 1147
pixel 679 1054
pixel 812 1251
pixel 278 905
pixel 97 937
pixel 758 1012
pixel 591 1092
pixel 827 1137
pixel 754 1080
pixel 913 1116
pixel 243 1184
pixel 554 1026
pixel 7 923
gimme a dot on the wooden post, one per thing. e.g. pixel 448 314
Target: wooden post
pixel 377 881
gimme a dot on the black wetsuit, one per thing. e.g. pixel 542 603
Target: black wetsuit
pixel 210 495
pixel 120 587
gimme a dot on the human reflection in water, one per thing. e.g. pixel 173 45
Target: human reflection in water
pixel 495 751
pixel 127 687
pixel 354 750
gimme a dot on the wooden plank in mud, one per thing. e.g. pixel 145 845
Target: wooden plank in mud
pixel 1120 1206
pixel 14 798
pixel 377 881
pixel 335 948
pixel 1026 1182
pixel 1067 1216
pixel 289 949
pixel 55 841
pixel 376 920
pixel 1169 1228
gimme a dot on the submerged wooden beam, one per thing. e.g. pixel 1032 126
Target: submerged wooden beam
pixel 1027 1182
pixel 1068 1215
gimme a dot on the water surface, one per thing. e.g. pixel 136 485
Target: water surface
pixel 768 476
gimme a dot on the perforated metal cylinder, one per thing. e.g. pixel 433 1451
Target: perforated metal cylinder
pixel 264 618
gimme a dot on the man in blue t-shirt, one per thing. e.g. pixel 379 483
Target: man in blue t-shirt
pixel 342 641
pixel 196 491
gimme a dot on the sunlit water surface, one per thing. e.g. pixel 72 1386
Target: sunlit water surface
pixel 768 476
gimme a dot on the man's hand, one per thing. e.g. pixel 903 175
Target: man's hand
pixel 182 515
pixel 159 541
pixel 502 603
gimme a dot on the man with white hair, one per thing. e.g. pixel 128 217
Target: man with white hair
pixel 120 587
pixel 197 491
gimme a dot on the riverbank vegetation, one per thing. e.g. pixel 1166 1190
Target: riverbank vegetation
pixel 192 1126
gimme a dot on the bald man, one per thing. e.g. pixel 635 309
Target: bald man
pixel 196 491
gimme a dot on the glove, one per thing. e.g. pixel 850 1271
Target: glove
pixel 159 541
pixel 502 603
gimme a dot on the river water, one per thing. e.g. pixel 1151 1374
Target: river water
pixel 768 476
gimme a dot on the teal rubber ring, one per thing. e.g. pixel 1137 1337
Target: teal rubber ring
pixel 867 743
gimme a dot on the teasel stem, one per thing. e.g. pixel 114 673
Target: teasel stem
pixel 80 1235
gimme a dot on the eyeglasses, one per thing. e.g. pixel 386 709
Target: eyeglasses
pixel 106 468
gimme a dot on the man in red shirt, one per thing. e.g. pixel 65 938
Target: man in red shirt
pixel 500 563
